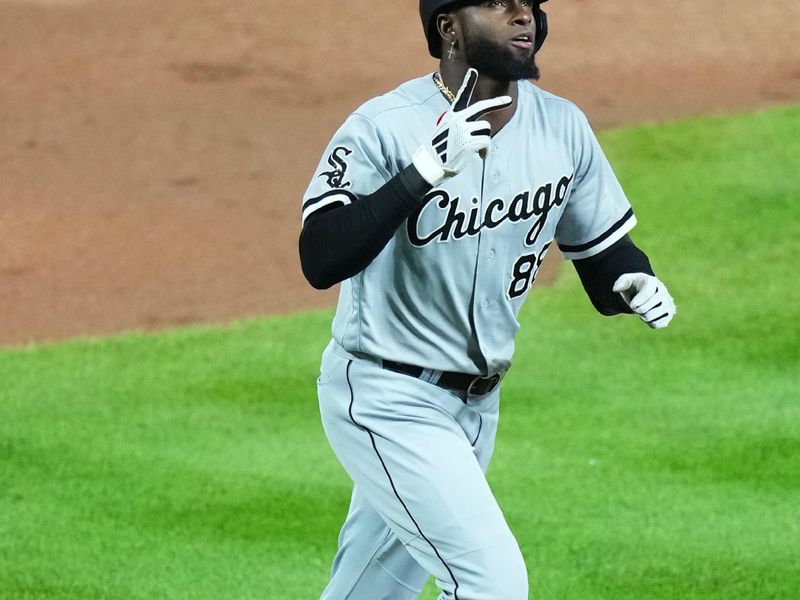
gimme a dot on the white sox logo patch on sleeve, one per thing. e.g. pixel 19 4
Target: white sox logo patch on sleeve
pixel 335 177
pixel 338 194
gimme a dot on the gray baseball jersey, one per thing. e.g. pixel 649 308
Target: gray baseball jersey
pixel 446 290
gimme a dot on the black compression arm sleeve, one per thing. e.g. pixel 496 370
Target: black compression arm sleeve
pixel 338 243
pixel 598 274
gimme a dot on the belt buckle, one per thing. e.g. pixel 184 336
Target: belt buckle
pixel 490 383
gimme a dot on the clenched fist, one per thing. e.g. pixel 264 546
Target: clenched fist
pixel 648 297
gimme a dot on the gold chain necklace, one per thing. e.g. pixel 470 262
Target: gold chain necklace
pixel 437 79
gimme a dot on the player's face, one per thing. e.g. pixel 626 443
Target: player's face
pixel 499 37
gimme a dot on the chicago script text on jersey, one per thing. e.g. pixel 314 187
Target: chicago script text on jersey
pixel 457 223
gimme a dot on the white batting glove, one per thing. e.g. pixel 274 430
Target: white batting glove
pixel 648 297
pixel 460 134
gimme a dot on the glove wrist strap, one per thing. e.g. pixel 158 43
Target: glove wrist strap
pixel 428 165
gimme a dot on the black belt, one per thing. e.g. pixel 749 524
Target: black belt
pixel 471 385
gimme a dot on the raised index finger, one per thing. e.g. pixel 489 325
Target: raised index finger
pixel 464 94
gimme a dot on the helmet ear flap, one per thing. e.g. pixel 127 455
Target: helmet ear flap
pixel 541 27
pixel 432 34
pixel 429 10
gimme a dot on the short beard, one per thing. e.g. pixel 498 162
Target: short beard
pixel 497 61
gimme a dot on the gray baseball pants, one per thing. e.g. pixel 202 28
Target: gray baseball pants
pixel 421 505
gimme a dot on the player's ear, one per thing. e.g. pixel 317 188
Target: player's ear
pixel 447 27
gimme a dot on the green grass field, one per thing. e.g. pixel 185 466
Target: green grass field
pixel 631 464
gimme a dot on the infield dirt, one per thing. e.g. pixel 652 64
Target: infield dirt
pixel 153 154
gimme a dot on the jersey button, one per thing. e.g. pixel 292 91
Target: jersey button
pixel 491 254
pixel 495 175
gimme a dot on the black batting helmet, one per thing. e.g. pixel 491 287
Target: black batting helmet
pixel 430 9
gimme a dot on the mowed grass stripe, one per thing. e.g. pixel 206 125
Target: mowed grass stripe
pixel 630 463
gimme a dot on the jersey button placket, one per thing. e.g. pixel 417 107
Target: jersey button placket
pixel 495 173
pixel 489 284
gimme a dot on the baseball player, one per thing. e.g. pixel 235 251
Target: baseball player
pixel 434 206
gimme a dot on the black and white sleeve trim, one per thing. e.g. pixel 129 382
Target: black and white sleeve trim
pixel 609 237
pixel 338 197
